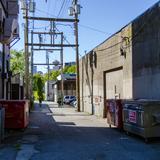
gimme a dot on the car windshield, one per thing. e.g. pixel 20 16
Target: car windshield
pixel 66 97
pixel 72 96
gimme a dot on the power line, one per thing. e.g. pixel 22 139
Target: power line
pixel 45 12
pixel 65 38
pixel 94 29
pixel 55 5
pixel 133 37
pixel 61 8
pixel 65 7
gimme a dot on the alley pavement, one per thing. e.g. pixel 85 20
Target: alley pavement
pixel 62 133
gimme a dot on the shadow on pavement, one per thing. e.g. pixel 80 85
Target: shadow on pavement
pixel 60 138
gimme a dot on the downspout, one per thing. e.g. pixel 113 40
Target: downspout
pixel 3 70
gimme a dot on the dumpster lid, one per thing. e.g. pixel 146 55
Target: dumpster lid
pixel 142 101
pixel 157 117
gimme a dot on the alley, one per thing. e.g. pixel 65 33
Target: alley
pixel 65 134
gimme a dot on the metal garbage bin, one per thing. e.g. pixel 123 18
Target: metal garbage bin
pixel 2 119
pixel 142 117
pixel 114 113
pixel 16 113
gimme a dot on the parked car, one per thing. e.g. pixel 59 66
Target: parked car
pixel 69 99
pixel 74 103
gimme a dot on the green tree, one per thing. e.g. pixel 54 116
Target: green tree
pixel 17 62
pixel 38 85
pixel 69 69
pixel 52 75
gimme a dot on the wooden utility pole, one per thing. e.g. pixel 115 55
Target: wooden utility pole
pixel 26 54
pixel 32 55
pixel 61 55
pixel 77 57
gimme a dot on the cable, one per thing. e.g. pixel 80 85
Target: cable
pixel 133 36
pixel 61 8
pixel 65 25
pixel 94 29
pixel 65 7
pixel 65 38
pixel 55 5
pixel 45 12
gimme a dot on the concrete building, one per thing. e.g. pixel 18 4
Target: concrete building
pixel 69 86
pixel 9 32
pixel 34 69
pixel 69 64
pixel 49 90
pixel 125 66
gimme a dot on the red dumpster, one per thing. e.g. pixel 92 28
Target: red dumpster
pixel 114 112
pixel 16 113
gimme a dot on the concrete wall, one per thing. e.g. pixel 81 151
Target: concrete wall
pixel 125 66
pixel 146 55
pixel 98 64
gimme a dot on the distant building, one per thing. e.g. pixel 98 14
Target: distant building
pixel 40 72
pixel 34 69
pixel 69 64
pixel 56 68
pixel 49 91
pixel 69 86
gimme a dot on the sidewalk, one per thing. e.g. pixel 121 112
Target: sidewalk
pixel 65 134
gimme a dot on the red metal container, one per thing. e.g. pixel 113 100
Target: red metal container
pixel 114 112
pixel 16 113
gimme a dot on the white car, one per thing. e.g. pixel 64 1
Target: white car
pixel 68 99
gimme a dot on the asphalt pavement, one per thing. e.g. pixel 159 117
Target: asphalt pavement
pixel 62 133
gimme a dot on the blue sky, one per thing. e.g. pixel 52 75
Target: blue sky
pixel 98 20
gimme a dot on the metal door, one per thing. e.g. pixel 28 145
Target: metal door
pixel 114 84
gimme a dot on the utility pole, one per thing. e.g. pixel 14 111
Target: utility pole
pixel 32 54
pixel 26 53
pixel 77 60
pixel 61 55
pixel 75 11
pixel 47 62
pixel 32 6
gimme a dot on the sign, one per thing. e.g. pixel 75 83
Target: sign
pixel 132 116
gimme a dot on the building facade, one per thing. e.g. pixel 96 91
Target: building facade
pixel 125 66
pixel 9 32
pixel 69 86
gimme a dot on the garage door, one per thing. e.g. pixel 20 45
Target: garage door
pixel 114 84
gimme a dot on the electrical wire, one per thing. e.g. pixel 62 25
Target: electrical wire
pixel 94 29
pixel 63 2
pixel 65 39
pixel 55 5
pixel 131 38
pixel 81 25
pixel 45 12
pixel 65 7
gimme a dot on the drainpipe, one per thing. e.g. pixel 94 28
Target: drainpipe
pixel 3 71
